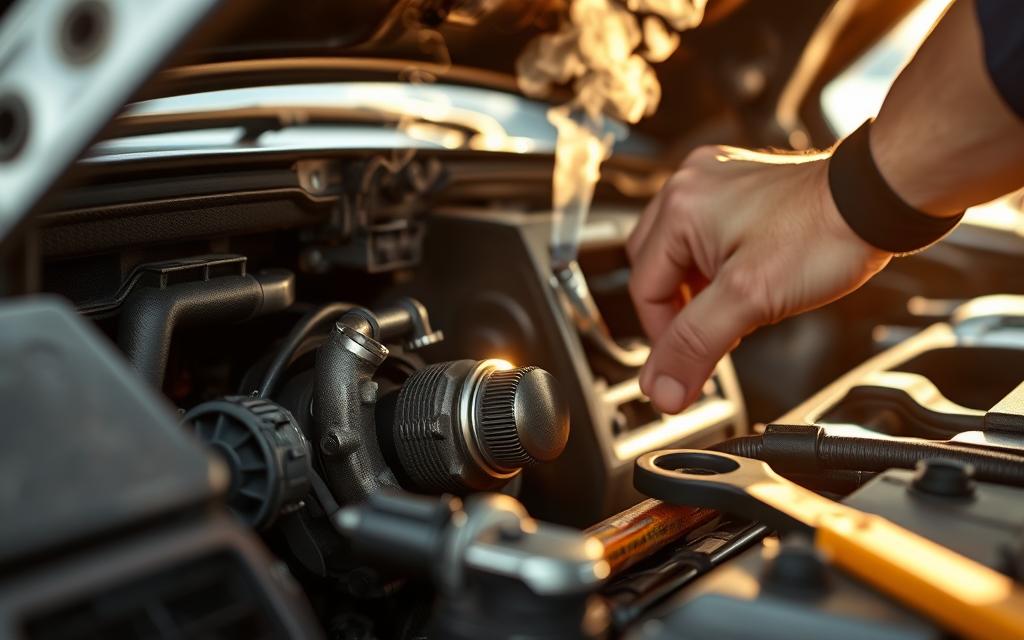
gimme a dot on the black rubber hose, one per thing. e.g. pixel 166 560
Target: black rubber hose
pixel 407 315
pixel 872 454
pixel 151 314
pixel 302 330
pixel 869 454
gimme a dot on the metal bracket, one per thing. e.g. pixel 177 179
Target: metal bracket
pixel 382 205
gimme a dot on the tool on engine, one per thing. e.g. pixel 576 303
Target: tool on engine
pixel 500 573
pixel 636 533
pixel 966 596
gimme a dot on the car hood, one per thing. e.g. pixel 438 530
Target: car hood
pixel 737 63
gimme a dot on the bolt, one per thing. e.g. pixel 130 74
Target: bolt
pixel 331 443
pixel 797 567
pixel 944 477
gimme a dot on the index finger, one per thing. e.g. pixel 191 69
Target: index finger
pixel 660 268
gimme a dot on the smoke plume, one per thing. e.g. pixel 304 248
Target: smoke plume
pixel 603 50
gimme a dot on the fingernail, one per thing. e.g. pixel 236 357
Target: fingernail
pixel 668 394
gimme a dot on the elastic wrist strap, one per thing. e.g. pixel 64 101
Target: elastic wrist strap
pixel 871 208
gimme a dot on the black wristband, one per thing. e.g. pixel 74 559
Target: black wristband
pixel 871 208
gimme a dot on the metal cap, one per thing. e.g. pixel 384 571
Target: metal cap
pixel 522 417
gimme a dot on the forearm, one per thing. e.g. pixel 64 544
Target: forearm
pixel 945 139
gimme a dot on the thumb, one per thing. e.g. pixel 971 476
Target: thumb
pixel 698 337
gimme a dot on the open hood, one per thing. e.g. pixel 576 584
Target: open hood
pixel 736 66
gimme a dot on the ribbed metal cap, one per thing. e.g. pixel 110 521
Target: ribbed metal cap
pixel 522 418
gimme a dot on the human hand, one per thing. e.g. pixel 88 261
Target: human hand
pixel 754 237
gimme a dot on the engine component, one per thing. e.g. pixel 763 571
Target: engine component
pixel 981 520
pixel 203 289
pixel 265 451
pixel 289 351
pixel 407 319
pixel 727 603
pixel 344 394
pixel 925 576
pixel 455 426
pixel 643 529
pixel 464 425
pixel 806 448
pixel 500 573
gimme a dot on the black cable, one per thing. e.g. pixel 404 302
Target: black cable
pixel 869 454
pixel 876 454
pixel 303 328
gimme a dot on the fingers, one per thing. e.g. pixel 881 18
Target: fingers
pixel 643 225
pixel 696 339
pixel 660 267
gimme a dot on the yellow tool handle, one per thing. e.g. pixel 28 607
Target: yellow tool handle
pixel 966 596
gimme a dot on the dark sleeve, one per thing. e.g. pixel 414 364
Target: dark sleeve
pixel 1002 30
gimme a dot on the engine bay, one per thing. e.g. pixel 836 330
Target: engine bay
pixel 294 390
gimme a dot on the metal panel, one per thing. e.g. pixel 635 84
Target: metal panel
pixel 66 67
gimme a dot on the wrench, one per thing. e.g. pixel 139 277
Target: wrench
pixel 963 595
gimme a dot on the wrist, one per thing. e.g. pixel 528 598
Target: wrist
pixel 902 174
pixel 868 204
pixel 833 223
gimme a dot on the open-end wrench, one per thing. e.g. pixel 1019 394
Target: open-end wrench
pixel 963 595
